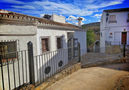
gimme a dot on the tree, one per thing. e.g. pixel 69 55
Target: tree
pixel 90 38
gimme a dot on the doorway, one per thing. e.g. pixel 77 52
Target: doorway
pixel 124 37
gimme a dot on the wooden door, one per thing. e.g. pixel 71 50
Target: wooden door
pixel 124 37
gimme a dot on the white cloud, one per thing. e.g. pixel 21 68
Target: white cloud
pixel 41 15
pixel 99 20
pixel 83 19
pixel 13 1
pixel 80 8
pixel 24 7
pixel 104 4
pixel 76 8
pixel 97 15
pixel 73 19
pixel 63 8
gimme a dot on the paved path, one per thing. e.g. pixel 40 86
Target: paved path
pixel 95 78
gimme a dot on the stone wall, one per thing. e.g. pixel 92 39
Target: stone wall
pixel 115 49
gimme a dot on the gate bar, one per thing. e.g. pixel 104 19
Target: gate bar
pixel 2 72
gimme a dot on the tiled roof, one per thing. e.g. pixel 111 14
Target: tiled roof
pixel 31 19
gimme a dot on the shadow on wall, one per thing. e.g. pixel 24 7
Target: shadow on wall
pixel 49 63
pixel 17 73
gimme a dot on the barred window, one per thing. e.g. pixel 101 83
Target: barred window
pixel 59 43
pixel 8 50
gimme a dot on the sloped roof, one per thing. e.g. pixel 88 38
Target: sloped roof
pixel 34 19
pixel 117 10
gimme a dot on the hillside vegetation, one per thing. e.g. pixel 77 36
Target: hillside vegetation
pixel 93 33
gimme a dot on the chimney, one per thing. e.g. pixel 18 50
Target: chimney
pixel 58 18
pixel 79 21
pixel 46 16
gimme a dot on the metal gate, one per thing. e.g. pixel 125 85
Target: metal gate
pixel 25 68
pixel 52 62
pixel 73 48
pixel 14 70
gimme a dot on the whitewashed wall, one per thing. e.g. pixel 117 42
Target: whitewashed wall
pixel 115 28
pixel 52 34
pixel 24 34
pixel 54 58
pixel 21 34
pixel 81 36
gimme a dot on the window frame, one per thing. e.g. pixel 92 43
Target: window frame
pixel 61 37
pixel 45 37
pixel 4 56
pixel 112 21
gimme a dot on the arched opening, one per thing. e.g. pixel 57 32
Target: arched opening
pixel 97 46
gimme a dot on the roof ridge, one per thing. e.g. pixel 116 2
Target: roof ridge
pixel 41 19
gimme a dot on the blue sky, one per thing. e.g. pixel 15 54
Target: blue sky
pixel 90 10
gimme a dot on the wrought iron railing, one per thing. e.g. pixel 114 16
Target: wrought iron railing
pixel 26 68
pixel 14 71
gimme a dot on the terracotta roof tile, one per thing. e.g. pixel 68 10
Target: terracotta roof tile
pixel 41 20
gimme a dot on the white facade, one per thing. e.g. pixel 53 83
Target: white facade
pixel 52 35
pixel 22 34
pixel 113 23
pixel 81 36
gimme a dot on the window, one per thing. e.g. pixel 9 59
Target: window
pixel 59 43
pixel 45 44
pixel 8 50
pixel 112 19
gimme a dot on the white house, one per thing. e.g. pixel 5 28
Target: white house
pixel 47 36
pixel 114 22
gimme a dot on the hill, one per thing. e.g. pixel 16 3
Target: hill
pixel 92 26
